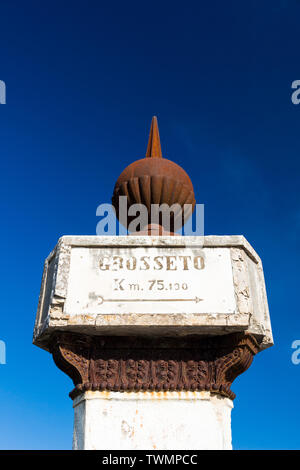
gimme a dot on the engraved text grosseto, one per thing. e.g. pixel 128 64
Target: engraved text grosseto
pixel 158 263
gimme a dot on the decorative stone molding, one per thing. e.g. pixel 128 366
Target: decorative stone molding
pixel 153 364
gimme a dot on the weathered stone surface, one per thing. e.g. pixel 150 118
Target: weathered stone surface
pixel 153 285
pixel 152 420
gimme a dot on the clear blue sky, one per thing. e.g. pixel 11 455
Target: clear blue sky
pixel 83 81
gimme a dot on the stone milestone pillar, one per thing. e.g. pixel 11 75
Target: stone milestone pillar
pixel 153 328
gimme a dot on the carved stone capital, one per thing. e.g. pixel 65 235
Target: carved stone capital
pixel 127 363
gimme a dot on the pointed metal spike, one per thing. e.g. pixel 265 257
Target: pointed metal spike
pixel 154 148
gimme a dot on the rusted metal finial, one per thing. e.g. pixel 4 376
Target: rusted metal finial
pixel 155 180
pixel 154 148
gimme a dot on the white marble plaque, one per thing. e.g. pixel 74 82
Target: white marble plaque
pixel 152 286
pixel 147 280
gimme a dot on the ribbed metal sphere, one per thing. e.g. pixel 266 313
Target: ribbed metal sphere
pixel 154 180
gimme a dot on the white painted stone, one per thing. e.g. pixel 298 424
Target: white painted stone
pixel 163 281
pixel 179 286
pixel 152 420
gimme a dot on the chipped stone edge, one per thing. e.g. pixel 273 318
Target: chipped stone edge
pixel 41 325
pixel 154 395
pixel 150 326
pixel 61 257
pixel 267 339
pixel 208 241
pixel 241 282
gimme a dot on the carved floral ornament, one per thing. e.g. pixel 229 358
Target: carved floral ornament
pixel 119 364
